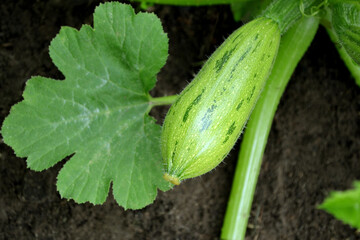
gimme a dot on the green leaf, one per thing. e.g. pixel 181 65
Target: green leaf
pixel 190 2
pixel 346 23
pixel 344 205
pixel 98 113
pixel 353 67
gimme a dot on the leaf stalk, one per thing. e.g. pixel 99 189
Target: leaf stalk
pixel 160 101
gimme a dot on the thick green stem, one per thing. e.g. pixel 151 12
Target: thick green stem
pixel 287 12
pixel 292 47
pixel 166 100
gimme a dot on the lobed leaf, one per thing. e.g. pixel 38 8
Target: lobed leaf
pixel 98 113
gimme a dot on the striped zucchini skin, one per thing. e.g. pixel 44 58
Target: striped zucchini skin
pixel 204 123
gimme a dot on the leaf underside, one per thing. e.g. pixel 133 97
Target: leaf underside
pixel 99 112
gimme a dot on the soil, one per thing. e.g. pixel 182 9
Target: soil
pixel 313 145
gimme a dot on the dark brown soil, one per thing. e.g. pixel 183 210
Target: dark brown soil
pixel 314 145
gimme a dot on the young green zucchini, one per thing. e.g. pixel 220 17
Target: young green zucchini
pixel 204 123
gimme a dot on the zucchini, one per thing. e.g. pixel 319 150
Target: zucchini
pixel 204 123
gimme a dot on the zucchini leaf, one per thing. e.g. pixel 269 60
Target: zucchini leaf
pixel 98 114
pixel 353 67
pixel 346 24
pixel 190 2
pixel 344 205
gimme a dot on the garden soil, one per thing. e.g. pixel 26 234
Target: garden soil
pixel 313 148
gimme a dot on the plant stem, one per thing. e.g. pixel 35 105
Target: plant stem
pixel 292 47
pixel 159 101
pixel 288 12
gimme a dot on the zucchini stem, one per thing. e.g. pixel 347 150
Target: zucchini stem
pixel 160 101
pixel 174 180
pixel 287 12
